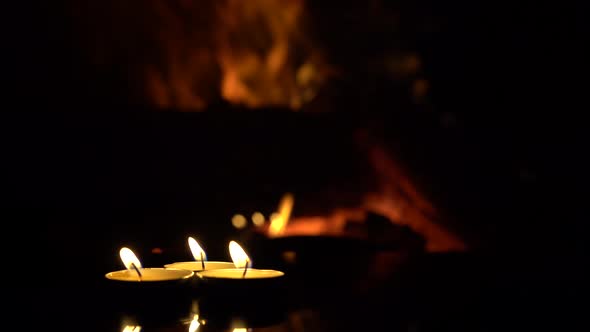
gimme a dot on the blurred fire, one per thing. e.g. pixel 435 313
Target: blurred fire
pixel 266 58
pixel 397 199
pixel 257 53
pixel 188 53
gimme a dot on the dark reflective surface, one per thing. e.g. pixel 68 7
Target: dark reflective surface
pixel 501 147
pixel 442 292
pixel 82 186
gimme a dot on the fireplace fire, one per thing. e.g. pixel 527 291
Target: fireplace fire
pixel 189 54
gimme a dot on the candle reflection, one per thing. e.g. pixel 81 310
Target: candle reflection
pixel 131 328
pixel 195 324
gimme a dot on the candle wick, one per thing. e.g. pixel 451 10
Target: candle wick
pixel 202 261
pixel 245 268
pixel 136 270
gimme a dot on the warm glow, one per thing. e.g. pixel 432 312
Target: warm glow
pixel 278 223
pixel 240 329
pixel 239 221
pixel 258 219
pixel 130 328
pixel 196 250
pixel 238 255
pixel 129 258
pixel 194 324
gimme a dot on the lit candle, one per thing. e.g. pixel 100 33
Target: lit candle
pixel 243 268
pixel 252 294
pixel 201 263
pixel 136 273
pixel 152 295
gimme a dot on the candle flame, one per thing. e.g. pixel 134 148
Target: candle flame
pixel 279 221
pixel 238 255
pixel 131 328
pixel 196 250
pixel 194 324
pixel 129 259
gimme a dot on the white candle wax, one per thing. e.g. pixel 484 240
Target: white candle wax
pixel 239 274
pixel 150 274
pixel 198 266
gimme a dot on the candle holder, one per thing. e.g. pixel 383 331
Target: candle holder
pixel 148 293
pixel 200 266
pixel 152 301
pixel 242 291
pixel 254 300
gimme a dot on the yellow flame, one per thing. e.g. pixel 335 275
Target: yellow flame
pixel 238 255
pixel 131 328
pixel 240 329
pixel 194 324
pixel 128 258
pixel 279 222
pixel 196 249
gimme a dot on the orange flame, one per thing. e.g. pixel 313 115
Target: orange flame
pixel 279 222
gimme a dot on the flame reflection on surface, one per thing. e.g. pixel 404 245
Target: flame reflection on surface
pixel 195 324
pixel 131 328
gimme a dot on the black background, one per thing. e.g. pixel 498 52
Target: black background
pixel 81 168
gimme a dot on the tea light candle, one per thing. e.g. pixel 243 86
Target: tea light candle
pixel 224 290
pixel 242 268
pixel 200 263
pixel 136 273
pixel 152 295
